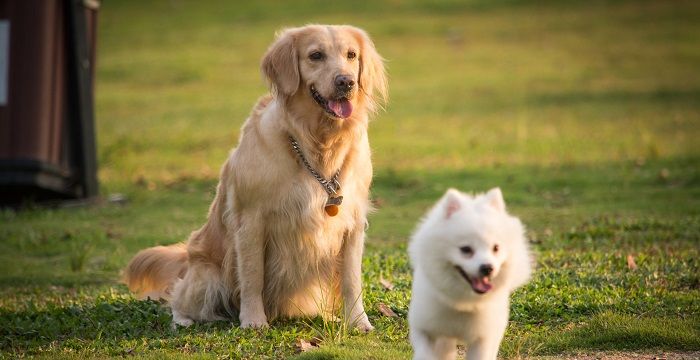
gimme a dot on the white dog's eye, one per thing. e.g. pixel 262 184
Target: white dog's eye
pixel 466 250
pixel 351 55
pixel 316 56
pixel 495 248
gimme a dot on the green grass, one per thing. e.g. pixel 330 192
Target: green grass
pixel 586 114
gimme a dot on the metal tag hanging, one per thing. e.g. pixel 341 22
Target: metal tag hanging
pixel 333 205
pixel 331 186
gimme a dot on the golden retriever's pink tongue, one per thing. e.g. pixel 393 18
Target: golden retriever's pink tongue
pixel 341 108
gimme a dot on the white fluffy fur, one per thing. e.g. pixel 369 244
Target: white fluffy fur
pixel 268 249
pixel 444 307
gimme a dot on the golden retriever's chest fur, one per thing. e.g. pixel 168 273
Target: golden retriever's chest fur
pixel 316 231
pixel 303 245
pixel 296 223
pixel 303 253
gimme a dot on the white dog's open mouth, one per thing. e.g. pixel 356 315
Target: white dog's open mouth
pixel 341 108
pixel 480 285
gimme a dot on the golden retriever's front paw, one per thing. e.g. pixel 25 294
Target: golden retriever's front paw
pixel 254 322
pixel 252 315
pixel 254 325
pixel 363 324
pixel 181 320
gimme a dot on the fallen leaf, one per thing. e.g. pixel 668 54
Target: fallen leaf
pixel 303 345
pixel 386 311
pixel 386 283
pixel 630 263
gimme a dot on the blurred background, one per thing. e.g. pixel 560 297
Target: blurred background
pixel 495 89
pixel 473 83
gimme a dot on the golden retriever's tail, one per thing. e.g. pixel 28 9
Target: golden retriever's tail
pixel 153 271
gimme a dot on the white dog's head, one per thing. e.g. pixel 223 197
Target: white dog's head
pixel 471 241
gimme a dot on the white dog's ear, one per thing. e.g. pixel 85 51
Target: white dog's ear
pixel 451 202
pixel 280 65
pixel 372 77
pixel 494 197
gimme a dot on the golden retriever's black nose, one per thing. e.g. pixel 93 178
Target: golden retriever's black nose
pixel 486 269
pixel 344 83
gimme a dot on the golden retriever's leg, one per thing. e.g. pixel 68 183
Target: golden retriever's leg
pixel 352 280
pixel 250 255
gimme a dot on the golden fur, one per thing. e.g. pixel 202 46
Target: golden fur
pixel 268 249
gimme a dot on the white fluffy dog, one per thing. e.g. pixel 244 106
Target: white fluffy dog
pixel 468 255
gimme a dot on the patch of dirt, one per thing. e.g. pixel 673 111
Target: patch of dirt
pixel 661 355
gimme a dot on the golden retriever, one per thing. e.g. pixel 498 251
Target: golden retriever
pixel 272 244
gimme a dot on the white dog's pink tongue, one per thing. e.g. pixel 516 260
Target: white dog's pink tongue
pixel 481 285
pixel 341 108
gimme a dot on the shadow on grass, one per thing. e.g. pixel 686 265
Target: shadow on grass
pixel 581 201
pixel 110 317
pixel 676 174
pixel 118 325
pixel 611 331
pixel 369 346
pixel 65 280
pixel 604 331
pixel 617 97
pixel 582 279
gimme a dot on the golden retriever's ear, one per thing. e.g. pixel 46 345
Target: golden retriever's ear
pixel 281 66
pixel 372 78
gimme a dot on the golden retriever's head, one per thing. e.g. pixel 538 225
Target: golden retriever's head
pixel 335 68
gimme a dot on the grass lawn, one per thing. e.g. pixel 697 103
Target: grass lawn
pixel 585 113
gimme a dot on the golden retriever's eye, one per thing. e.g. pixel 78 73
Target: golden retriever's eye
pixel 351 55
pixel 495 248
pixel 467 250
pixel 316 56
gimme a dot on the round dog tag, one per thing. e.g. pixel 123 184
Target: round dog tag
pixel 332 210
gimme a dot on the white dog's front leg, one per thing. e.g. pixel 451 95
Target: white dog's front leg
pixel 477 351
pixel 484 349
pixel 423 345
pixel 494 322
pixel 250 251
pixel 352 280
pixel 446 348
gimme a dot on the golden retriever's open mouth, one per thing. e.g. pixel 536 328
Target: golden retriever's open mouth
pixel 480 285
pixel 340 108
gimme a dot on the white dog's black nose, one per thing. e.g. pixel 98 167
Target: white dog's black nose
pixel 486 269
pixel 344 83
